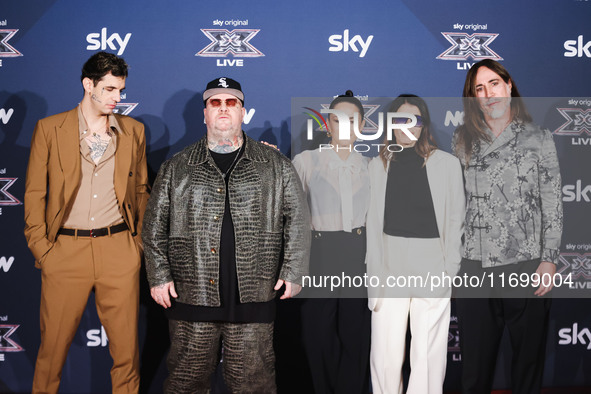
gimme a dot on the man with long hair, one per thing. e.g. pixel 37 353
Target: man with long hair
pixel 513 227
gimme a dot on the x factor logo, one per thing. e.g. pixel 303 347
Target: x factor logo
pixel 5 197
pixel 577 121
pixel 7 50
pixel 7 344
pixel 224 42
pixel 124 108
pixel 577 264
pixel 466 45
pixel 453 338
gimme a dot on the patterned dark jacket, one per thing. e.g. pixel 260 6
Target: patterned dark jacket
pixel 513 197
pixel 183 223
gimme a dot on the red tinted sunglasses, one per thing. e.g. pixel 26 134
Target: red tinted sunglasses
pixel 231 102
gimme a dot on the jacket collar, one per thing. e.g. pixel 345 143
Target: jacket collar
pixel 252 151
pixel 69 151
pixel 507 135
pixel 112 120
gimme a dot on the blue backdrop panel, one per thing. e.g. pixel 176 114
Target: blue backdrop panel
pixel 278 51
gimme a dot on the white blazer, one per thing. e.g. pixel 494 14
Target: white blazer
pixel 444 175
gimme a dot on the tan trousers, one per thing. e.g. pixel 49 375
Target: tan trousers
pixel 73 267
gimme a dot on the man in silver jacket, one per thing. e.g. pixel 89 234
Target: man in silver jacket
pixel 512 229
pixel 226 227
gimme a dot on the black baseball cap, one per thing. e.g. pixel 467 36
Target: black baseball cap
pixel 223 85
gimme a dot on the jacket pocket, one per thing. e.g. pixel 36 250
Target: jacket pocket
pixel 47 257
pixel 180 256
pixel 269 254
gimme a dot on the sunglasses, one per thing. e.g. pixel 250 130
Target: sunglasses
pixel 407 120
pixel 231 102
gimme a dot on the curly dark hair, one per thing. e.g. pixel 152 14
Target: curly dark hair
pixel 102 63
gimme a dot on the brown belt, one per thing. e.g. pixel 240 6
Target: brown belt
pixel 97 232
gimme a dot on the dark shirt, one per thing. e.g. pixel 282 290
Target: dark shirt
pixel 231 310
pixel 409 208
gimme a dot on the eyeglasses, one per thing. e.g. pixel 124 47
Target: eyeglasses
pixel 407 120
pixel 231 102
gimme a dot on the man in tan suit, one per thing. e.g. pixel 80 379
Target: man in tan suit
pixel 86 192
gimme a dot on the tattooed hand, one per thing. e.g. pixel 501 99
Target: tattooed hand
pixel 160 294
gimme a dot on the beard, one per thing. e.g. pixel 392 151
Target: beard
pixel 501 108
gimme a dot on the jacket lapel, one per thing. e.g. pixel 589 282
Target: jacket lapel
pixel 123 156
pixel 437 180
pixel 68 141
pixel 507 135
pixel 382 177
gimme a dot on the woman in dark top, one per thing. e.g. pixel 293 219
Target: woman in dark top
pixel 414 229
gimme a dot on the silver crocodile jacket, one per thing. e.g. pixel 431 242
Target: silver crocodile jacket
pixel 183 223
pixel 513 196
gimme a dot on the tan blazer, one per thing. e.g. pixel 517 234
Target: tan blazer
pixel 53 177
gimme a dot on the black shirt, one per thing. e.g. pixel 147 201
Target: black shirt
pixel 409 208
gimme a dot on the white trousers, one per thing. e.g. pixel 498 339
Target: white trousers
pixel 429 326
pixel 429 322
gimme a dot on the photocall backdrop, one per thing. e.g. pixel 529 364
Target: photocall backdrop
pixel 279 51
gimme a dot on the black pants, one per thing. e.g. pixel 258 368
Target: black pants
pixel 482 322
pixel 336 331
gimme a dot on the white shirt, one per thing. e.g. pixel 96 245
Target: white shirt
pixel 337 190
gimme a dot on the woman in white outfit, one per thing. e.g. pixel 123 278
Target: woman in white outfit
pixel 336 327
pixel 414 229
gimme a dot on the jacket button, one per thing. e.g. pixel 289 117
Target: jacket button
pixel 359 231
pixel 216 218
pixel 212 281
pixel 130 173
pixel 213 251
pixel 219 190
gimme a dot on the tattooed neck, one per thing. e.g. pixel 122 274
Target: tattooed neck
pixel 225 145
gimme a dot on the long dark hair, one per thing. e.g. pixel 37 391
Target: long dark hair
pixel 474 127
pixel 425 144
